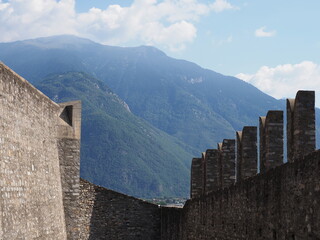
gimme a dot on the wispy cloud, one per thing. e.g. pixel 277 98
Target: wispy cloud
pixel 221 5
pixel 220 42
pixel 169 23
pixel 261 32
pixel 285 80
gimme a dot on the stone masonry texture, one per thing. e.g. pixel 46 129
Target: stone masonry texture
pixel 283 203
pixel 301 125
pixel 246 153
pixel 227 163
pixel 238 155
pixel 69 131
pixel 106 214
pixel 204 172
pixel 42 196
pixel 40 192
pixel 197 174
pixel 271 140
pixel 69 152
pixel 212 170
pixel 31 205
pixel 262 144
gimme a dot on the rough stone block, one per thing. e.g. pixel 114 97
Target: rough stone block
pixel 31 205
pixel 247 153
pixel 271 140
pixel 197 174
pixel 212 170
pixel 227 159
pixel 301 125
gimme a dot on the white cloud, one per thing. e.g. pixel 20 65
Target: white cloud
pixel 262 33
pixel 33 18
pixel 3 6
pixel 170 23
pixel 221 42
pixel 284 81
pixel 174 35
pixel 221 5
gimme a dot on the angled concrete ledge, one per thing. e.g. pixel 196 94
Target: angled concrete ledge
pixel 69 124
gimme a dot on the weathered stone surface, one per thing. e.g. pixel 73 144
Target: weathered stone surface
pixel 197 175
pixel 31 204
pixel 212 170
pixel 247 153
pixel 238 156
pixel 41 196
pixel 68 138
pixel 169 216
pixel 106 214
pixel 228 168
pixel 280 204
pixel 204 170
pixel 301 125
pixel 262 144
pixel 271 140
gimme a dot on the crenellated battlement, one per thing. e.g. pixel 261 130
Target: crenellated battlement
pixel 211 171
pixel 235 160
pixel 301 138
pixel 42 197
pixel 197 177
pixel 271 140
pixel 280 202
pixel 227 163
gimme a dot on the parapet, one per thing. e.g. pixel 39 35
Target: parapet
pixel 208 218
pixel 197 173
pixel 68 140
pixel 300 141
pixel 246 153
pixel 70 120
pixel 238 155
pixel 227 158
pixel 301 125
pixel 271 140
pixel 31 196
pixel 212 170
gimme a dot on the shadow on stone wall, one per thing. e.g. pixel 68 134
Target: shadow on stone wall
pixel 111 215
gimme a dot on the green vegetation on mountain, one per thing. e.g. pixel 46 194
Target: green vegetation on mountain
pixel 118 149
pixel 198 106
pixel 195 105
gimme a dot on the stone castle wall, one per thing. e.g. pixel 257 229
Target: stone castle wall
pixel 31 205
pixel 271 140
pixel 68 141
pixel 42 196
pixel 106 214
pixel 301 125
pixel 280 204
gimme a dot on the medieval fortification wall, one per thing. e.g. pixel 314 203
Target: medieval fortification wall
pixel 281 202
pixel 42 196
pixel 112 215
pixel 31 194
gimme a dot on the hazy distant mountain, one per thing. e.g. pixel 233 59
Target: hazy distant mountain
pixel 198 106
pixel 118 149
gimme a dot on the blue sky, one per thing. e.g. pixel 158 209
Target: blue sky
pixel 274 45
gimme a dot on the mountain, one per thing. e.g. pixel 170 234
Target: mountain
pixel 118 149
pixel 197 106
